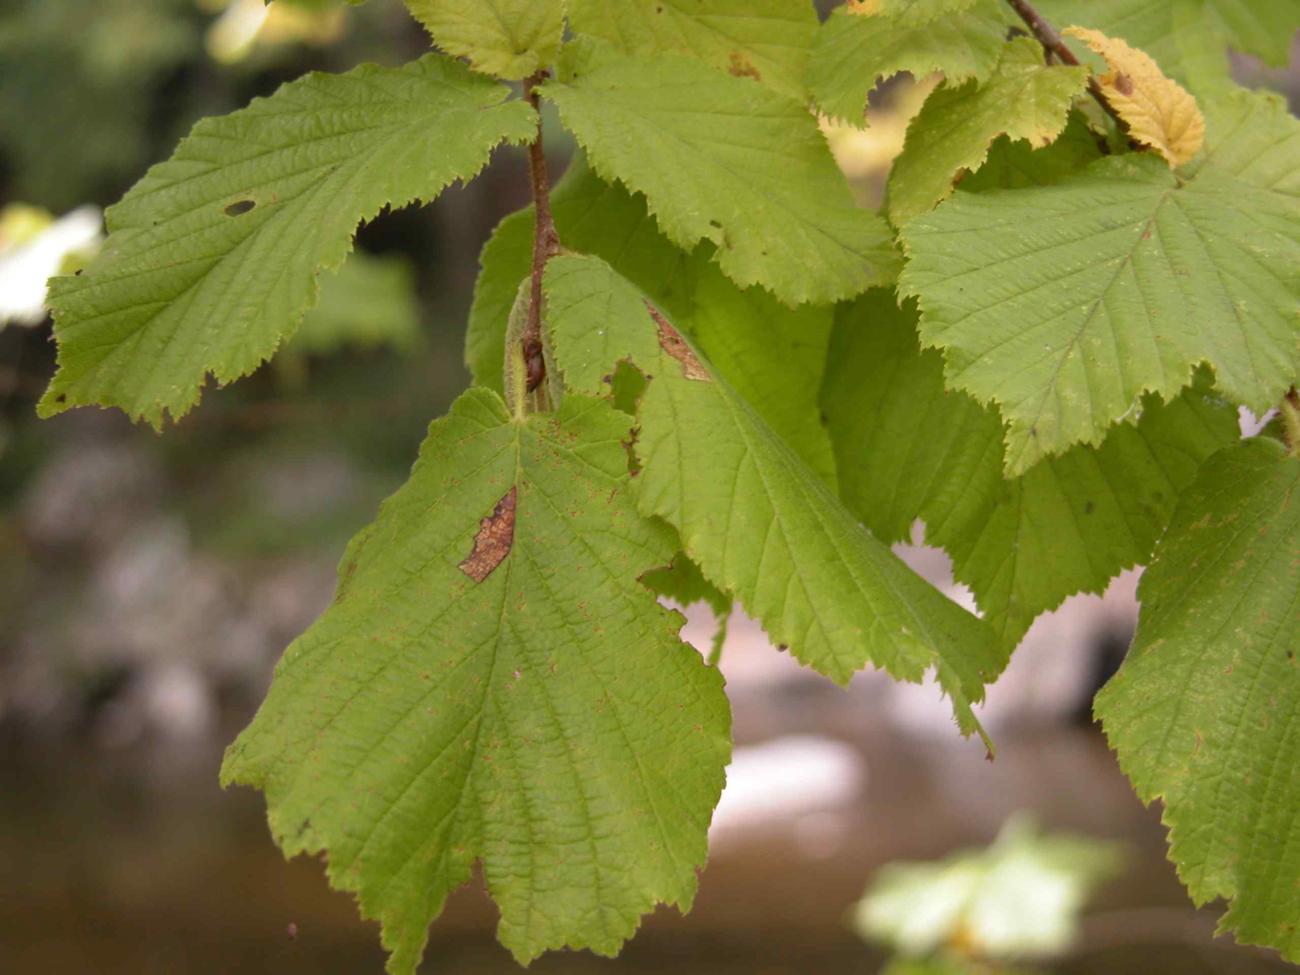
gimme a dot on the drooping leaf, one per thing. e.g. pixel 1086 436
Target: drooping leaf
pixel 1023 99
pixel 755 519
pixel 369 302
pixel 907 448
pixel 1064 304
pixel 507 38
pixel 212 258
pixel 1189 39
pixel 1157 111
pixel 767 40
pixel 772 355
pixel 852 54
pixel 1205 712
pixel 723 159
pixel 492 683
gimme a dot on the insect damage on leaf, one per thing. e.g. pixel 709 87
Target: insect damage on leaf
pixel 671 341
pixel 495 538
pixel 742 67
pixel 239 208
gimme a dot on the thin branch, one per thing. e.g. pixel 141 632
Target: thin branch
pixel 1054 45
pixel 546 241
pixel 1043 32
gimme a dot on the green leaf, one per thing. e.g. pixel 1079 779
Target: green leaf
pixel 1205 712
pixel 913 11
pixel 1015 165
pixel 507 38
pixel 756 520
pixel 212 258
pixel 1023 99
pixel 491 683
pixel 726 160
pixel 767 40
pixel 683 582
pixel 1064 304
pixel 1189 38
pixel 370 302
pixel 906 448
pixel 773 355
pixel 854 52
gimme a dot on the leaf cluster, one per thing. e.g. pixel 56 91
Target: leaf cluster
pixel 727 382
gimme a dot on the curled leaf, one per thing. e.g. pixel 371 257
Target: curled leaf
pixel 1159 112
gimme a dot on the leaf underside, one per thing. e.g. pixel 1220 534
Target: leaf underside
pixel 506 38
pixel 492 683
pixel 907 448
pixel 759 524
pixel 727 160
pixel 766 40
pixel 773 355
pixel 212 258
pixel 1064 304
pixel 1205 712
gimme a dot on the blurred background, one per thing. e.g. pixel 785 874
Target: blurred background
pixel 148 584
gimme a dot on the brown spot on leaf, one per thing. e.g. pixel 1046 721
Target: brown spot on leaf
pixel 239 208
pixel 742 67
pixel 1123 83
pixel 495 539
pixel 671 341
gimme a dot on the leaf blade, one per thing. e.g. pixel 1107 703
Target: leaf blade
pixel 211 259
pixel 689 139
pixel 763 528
pixel 509 39
pixel 767 40
pixel 1082 296
pixel 853 53
pixel 1024 99
pixel 1204 712
pixel 907 448
pixel 450 703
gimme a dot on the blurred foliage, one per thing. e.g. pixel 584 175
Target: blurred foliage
pixel 77 79
pixel 1021 898
pixel 370 304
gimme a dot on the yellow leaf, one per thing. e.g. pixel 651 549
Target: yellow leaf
pixel 1158 112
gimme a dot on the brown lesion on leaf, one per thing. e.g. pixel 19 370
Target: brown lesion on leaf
pixel 671 341
pixel 742 67
pixel 495 539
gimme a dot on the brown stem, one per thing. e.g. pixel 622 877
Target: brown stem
pixel 1055 45
pixel 1290 411
pixel 1043 32
pixel 546 241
